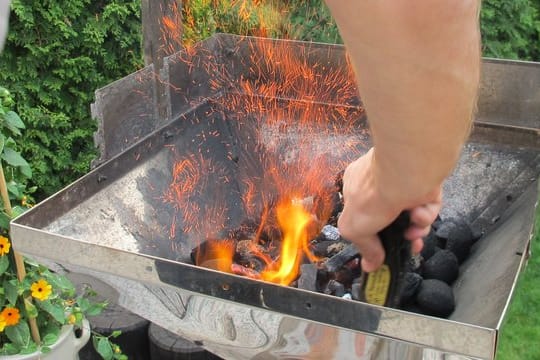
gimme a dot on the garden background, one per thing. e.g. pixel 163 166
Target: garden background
pixel 59 52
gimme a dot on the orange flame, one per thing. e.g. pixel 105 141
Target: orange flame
pixel 293 220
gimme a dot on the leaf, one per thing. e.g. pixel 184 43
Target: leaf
pixel 4 264
pixel 31 309
pixel 11 291
pixel 14 120
pixel 49 339
pixel 2 142
pixel 26 171
pixel 60 282
pixel 13 158
pixel 94 309
pixel 30 348
pixel 116 333
pixel 104 348
pixel 18 210
pixel 4 220
pixel 10 349
pixel 19 334
pixel 55 311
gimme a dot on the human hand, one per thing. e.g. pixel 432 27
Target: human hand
pixel 368 209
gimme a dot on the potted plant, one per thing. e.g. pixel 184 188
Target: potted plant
pixel 42 316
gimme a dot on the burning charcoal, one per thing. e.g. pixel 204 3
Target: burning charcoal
pixel 244 271
pixel 442 266
pixel 214 253
pixel 334 248
pixel 271 234
pixel 430 244
pixel 320 249
pixel 308 277
pixel 458 237
pixel 335 288
pixel 331 232
pixel 335 262
pixel 411 284
pixel 435 298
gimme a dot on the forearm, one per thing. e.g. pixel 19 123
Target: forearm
pixel 417 66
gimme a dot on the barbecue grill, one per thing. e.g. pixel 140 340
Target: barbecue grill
pixel 231 117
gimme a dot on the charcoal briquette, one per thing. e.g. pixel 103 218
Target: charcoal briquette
pixel 435 298
pixel 442 266
pixel 335 262
pixel 410 286
pixel 356 291
pixel 335 288
pixel 458 237
pixel 308 277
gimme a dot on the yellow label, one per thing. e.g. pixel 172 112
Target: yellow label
pixel 377 285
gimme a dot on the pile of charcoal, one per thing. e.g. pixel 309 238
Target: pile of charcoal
pixel 425 284
pixel 427 281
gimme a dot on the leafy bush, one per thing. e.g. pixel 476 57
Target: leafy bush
pixel 510 29
pixel 57 54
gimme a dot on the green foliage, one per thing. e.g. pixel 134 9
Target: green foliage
pixel 203 18
pixel 511 29
pixel 57 54
pixel 17 171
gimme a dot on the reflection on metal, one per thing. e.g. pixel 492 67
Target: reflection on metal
pixel 114 221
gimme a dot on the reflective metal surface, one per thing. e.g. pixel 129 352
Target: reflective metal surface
pixel 116 221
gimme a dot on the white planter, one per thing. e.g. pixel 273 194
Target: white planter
pixel 66 348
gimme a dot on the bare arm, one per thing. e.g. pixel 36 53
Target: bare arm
pixel 417 65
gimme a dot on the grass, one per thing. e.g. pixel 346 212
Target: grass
pixel 520 333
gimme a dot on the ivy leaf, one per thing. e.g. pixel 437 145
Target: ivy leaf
pixel 4 264
pixel 11 291
pixel 104 348
pixel 13 158
pixel 19 334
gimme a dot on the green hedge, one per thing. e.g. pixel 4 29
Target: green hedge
pixel 59 52
pixel 56 55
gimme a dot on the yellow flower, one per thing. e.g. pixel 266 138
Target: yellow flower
pixel 4 245
pixel 41 290
pixel 72 319
pixel 2 323
pixel 11 315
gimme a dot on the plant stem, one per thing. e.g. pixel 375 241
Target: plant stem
pixel 19 261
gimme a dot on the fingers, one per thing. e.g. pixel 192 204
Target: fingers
pixel 372 253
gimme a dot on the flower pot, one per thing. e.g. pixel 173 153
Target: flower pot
pixel 66 348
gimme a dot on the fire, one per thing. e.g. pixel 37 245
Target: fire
pixel 287 104
pixel 293 220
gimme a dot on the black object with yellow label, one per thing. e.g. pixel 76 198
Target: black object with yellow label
pixel 383 286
